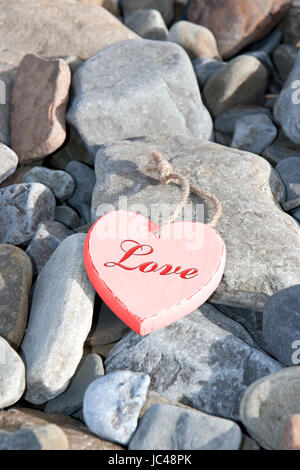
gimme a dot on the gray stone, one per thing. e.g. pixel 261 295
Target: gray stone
pixel 289 170
pixel 196 40
pixel 225 122
pixel 149 24
pixel 284 58
pixel 60 182
pixel 112 405
pixel 253 133
pixel 137 88
pixel 22 207
pixel 15 284
pixel 286 110
pixel 215 382
pixel 45 241
pixel 68 216
pixel 204 68
pixel 166 427
pixel 59 322
pixel 90 369
pixel 165 7
pixel 281 325
pixel 275 153
pixel 268 404
pixel 265 60
pixel 263 243
pixel 46 437
pixel 8 161
pixel 85 182
pixel 242 81
pixel 269 42
pixel 107 327
pixel 12 375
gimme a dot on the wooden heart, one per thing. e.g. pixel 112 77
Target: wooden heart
pixel 151 279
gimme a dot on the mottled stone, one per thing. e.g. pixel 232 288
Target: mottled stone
pixel 85 180
pixel 262 242
pixel 68 216
pixel 289 170
pixel 15 284
pixel 281 325
pixel 107 327
pixel 197 41
pixel 165 7
pixel 152 85
pixel 12 375
pixel 284 58
pixel 237 23
pixel 45 241
pixel 216 381
pixel 89 369
pixel 112 405
pixel 149 24
pixel 53 344
pixel 45 437
pixel 22 208
pixel 38 107
pixel 78 435
pixel 225 122
pixel 268 404
pixel 242 81
pixel 8 162
pixel 184 430
pixel 204 68
pixel 253 133
pixel 286 110
pixel 60 182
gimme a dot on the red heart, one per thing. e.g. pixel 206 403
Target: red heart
pixel 152 279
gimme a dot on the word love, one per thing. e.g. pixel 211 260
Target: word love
pixel 133 248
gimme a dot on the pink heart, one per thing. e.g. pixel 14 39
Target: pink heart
pixel 149 279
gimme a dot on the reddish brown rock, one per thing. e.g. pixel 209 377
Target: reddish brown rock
pixel 291 438
pixel 237 23
pixel 38 107
pixel 78 435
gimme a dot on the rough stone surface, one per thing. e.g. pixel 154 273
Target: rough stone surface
pixel 262 242
pixel 284 58
pixel 53 344
pixel 242 81
pixel 22 208
pixel 197 41
pixel 12 375
pixel 85 180
pixel 149 24
pixel 107 328
pixel 112 405
pixel 38 107
pixel 184 430
pixel 225 122
pixel 268 404
pixel 77 434
pixel 281 325
pixel 165 7
pixel 237 23
pixel 61 183
pixel 68 216
pixel 152 85
pixel 204 68
pixel 15 284
pixel 286 110
pixel 8 162
pixel 90 369
pixel 216 381
pixel 45 241
pixel 289 170
pixel 254 133
pixel 45 437
pixel 56 29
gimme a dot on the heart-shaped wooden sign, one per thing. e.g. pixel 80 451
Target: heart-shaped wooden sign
pixel 150 278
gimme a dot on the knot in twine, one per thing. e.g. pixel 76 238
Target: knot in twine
pixel 161 169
